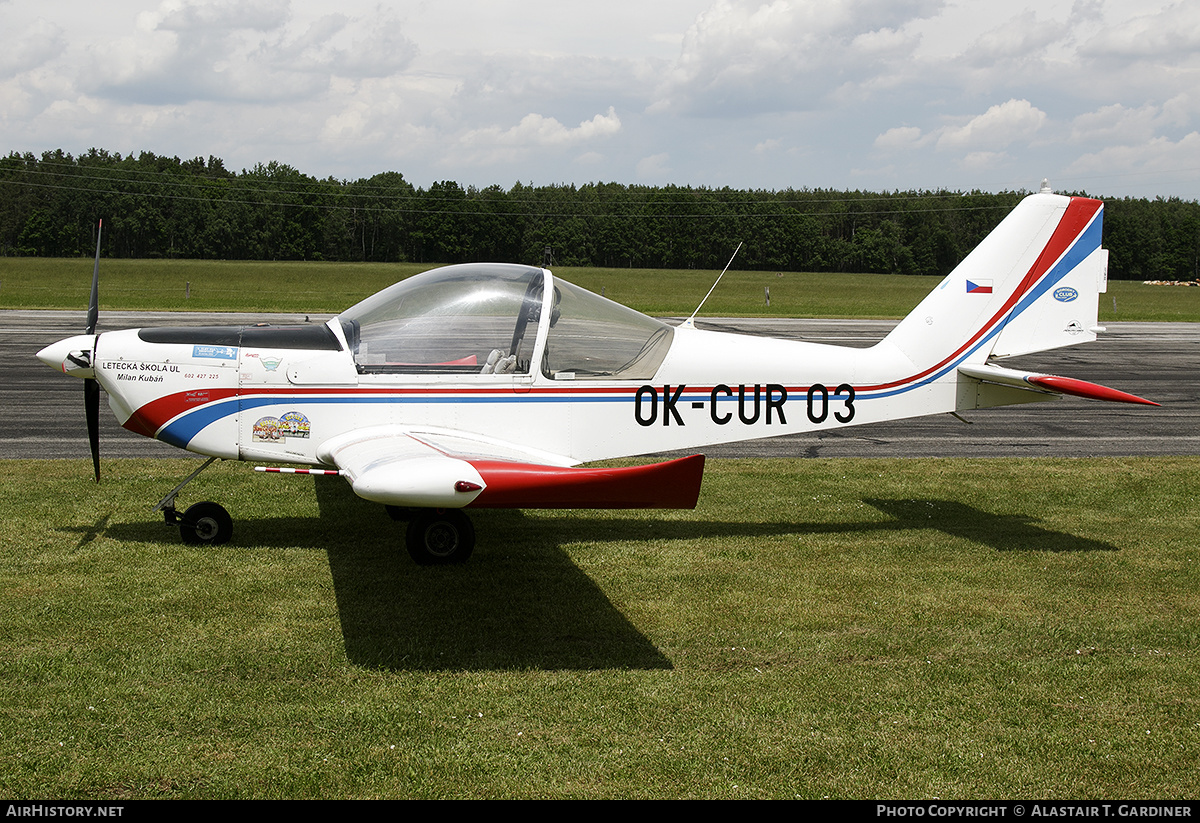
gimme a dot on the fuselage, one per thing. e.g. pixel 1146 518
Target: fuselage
pixel 269 394
pixel 500 354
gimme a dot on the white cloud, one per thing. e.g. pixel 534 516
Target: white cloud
pixel 656 167
pixel 786 55
pixel 1021 37
pixel 1160 155
pixel 983 160
pixel 1180 109
pixel 1168 34
pixel 998 127
pixel 874 93
pixel 536 130
pixel 246 51
pixel 496 145
pixel 24 50
pixel 1116 124
pixel 191 16
pixel 901 137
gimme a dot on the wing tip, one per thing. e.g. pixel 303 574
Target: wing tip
pixel 674 484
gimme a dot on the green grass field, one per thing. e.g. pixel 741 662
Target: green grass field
pixel 815 628
pixel 194 285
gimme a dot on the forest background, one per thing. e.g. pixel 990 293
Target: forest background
pixel 162 207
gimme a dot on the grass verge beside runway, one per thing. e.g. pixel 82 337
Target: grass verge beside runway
pixel 844 628
pixel 326 288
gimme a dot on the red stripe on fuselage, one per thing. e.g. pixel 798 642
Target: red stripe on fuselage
pixel 158 412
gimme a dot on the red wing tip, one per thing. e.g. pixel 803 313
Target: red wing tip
pixel 1092 391
pixel 674 484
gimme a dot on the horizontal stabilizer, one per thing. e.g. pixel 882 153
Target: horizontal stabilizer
pixel 1032 381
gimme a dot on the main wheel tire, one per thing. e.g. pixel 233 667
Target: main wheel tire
pixel 440 537
pixel 206 524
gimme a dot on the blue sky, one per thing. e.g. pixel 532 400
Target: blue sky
pixel 1100 95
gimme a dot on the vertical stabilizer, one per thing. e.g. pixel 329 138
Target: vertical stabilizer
pixel 1031 285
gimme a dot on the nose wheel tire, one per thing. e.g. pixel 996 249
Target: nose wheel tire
pixel 440 537
pixel 206 524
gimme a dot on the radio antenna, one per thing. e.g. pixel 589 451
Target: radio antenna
pixel 690 322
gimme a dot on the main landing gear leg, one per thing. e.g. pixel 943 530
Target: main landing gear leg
pixel 204 523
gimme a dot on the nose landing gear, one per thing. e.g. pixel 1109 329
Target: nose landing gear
pixel 203 524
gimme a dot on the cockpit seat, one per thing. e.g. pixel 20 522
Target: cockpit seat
pixel 497 363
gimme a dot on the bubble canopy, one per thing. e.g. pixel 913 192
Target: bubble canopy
pixel 485 318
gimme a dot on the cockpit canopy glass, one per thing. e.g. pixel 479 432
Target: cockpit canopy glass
pixel 478 318
pixel 483 319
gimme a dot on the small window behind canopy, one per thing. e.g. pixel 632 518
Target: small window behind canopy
pixel 594 338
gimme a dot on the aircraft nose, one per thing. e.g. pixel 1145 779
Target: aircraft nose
pixel 72 355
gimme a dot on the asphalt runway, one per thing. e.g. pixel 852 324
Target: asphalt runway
pixel 41 412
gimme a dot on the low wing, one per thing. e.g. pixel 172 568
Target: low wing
pixel 449 470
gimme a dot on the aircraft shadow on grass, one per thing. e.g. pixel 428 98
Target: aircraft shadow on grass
pixel 528 605
pixel 1003 532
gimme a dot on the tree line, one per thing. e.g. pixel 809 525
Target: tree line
pixel 155 207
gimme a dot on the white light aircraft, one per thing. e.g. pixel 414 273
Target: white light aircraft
pixel 486 385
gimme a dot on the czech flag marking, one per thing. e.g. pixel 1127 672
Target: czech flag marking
pixel 982 287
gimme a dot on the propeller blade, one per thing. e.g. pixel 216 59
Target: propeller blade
pixel 91 387
pixel 91 405
pixel 94 302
